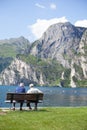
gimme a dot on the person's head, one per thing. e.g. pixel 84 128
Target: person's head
pixel 21 85
pixel 31 85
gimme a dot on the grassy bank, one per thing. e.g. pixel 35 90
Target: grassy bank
pixel 45 119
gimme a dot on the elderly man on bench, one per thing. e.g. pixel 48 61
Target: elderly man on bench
pixel 32 90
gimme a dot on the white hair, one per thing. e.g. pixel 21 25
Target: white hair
pixel 21 84
pixel 31 85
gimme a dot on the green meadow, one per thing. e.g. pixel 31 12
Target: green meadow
pixel 50 118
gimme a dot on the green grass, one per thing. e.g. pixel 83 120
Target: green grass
pixel 45 119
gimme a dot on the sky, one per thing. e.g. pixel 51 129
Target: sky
pixel 31 18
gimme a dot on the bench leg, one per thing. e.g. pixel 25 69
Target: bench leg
pixel 13 106
pixel 35 106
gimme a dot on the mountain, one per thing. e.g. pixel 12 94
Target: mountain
pixel 60 41
pixel 68 45
pixel 59 57
pixel 12 47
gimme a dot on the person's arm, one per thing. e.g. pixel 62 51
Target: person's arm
pixel 39 91
pixel 28 91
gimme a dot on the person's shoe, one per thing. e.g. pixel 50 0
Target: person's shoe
pixel 30 108
pixel 35 109
pixel 13 108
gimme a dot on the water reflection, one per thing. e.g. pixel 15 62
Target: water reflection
pixel 66 97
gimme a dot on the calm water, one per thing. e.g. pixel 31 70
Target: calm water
pixel 53 96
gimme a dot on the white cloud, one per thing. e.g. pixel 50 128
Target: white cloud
pixel 39 5
pixel 41 25
pixel 53 6
pixel 81 23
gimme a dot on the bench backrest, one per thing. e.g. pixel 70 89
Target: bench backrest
pixel 24 96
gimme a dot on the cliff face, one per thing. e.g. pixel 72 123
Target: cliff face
pixel 83 53
pixel 20 71
pixel 64 43
pixel 79 62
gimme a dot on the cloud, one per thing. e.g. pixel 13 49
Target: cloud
pixel 39 5
pixel 81 23
pixel 41 25
pixel 53 6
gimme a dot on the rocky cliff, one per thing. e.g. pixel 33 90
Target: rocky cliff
pixel 79 63
pixel 19 71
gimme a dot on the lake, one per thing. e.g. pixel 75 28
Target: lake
pixel 53 96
